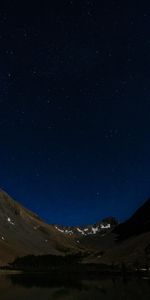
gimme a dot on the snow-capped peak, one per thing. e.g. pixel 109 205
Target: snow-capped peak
pixel 101 227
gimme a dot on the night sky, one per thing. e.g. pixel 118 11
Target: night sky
pixel 75 107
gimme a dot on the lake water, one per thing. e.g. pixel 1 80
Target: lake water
pixel 42 287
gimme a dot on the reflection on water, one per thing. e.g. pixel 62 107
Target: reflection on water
pixel 69 287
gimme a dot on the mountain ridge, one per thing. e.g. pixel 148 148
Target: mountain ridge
pixel 23 232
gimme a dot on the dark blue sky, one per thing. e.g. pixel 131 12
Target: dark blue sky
pixel 75 107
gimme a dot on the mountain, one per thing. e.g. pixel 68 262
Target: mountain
pixel 139 223
pixel 93 238
pixel 101 227
pixel 131 240
pixel 23 232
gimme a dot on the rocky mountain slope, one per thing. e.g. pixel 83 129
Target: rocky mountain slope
pixel 132 240
pixel 23 232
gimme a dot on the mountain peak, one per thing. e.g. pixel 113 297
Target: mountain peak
pixel 100 227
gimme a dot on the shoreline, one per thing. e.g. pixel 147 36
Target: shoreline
pixel 83 273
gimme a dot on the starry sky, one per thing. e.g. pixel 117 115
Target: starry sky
pixel 75 107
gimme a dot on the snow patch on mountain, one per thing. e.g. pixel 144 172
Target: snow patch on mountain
pixel 10 221
pixel 81 231
pixel 101 227
pixel 105 226
pixel 66 231
pixel 95 230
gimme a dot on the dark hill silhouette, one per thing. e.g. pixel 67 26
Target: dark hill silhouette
pixel 139 223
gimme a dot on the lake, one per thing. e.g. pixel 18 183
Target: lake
pixel 46 287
